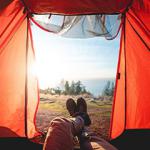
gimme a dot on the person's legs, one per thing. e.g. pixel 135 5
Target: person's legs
pixel 98 143
pixel 58 133
pixel 61 133
pixel 90 141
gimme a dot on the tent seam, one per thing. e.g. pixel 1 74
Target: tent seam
pixel 10 36
pixel 125 58
pixel 139 35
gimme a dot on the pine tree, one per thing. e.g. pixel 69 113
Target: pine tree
pixel 67 88
pixel 72 88
pixel 108 89
pixel 78 88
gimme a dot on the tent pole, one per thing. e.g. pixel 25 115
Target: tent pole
pixel 125 59
pixel 26 79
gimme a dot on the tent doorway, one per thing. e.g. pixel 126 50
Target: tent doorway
pixel 90 64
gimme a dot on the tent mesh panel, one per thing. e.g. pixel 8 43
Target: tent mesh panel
pixel 82 26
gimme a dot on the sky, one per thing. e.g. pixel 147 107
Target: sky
pixel 73 59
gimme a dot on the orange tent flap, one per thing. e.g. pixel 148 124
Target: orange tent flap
pixel 135 108
pixel 118 112
pixel 18 103
pixel 12 81
pixel 138 76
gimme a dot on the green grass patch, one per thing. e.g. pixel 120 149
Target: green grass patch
pixel 52 106
pixel 97 104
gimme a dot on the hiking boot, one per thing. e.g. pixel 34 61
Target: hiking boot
pixel 81 105
pixel 71 107
pixel 82 111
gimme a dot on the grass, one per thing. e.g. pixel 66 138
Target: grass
pixel 52 106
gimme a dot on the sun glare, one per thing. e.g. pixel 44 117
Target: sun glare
pixel 52 67
pixel 48 68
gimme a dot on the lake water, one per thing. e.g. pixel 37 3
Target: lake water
pixel 95 86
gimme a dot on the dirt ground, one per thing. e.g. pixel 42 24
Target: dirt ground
pixel 53 105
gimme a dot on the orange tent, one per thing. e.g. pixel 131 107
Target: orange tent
pixel 19 87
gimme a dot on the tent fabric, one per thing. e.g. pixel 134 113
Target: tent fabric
pixel 18 98
pixel 139 71
pixel 12 81
pixel 81 26
pixel 141 10
pixel 11 18
pixel 4 3
pixel 135 110
pixel 11 58
pixel 12 93
pixel 118 112
pixel 69 7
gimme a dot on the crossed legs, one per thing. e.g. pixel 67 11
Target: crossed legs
pixel 62 130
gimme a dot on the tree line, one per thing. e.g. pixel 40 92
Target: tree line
pixel 73 88
pixel 77 88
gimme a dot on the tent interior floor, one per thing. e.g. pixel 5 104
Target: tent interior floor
pixel 129 140
pixel 133 139
pixel 19 144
